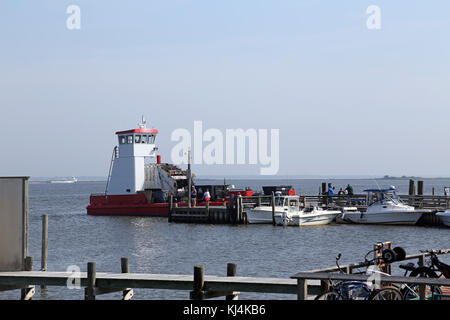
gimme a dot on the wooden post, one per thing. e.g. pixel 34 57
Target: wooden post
pixel 89 292
pixel 324 286
pixel 199 283
pixel 44 248
pixel 125 266
pixel 273 208
pixel 420 188
pixel 302 289
pixel 411 187
pixel 324 194
pixel 412 192
pixel 348 270
pixel 170 206
pixel 231 272
pixel 240 210
pixel 28 292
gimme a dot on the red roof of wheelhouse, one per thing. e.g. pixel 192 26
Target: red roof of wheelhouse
pixel 138 131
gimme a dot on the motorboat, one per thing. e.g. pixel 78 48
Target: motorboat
pixel 263 214
pixel 73 180
pixel 343 211
pixel 444 217
pixel 385 207
pixel 311 215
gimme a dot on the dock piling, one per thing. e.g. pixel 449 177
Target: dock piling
pixel 273 208
pixel 28 292
pixel 44 249
pixel 89 291
pixel 199 283
pixel 231 272
pixel 127 293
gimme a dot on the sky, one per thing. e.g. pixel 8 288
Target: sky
pixel 347 100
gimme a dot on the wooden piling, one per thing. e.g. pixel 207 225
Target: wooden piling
pixel 258 201
pixel 412 188
pixel 302 289
pixel 273 208
pixel 89 292
pixel 231 272
pixel 44 248
pixel 28 292
pixel 170 207
pixel 420 188
pixel 240 209
pixel 199 283
pixel 44 242
pixel 125 266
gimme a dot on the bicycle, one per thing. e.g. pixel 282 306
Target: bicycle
pixel 435 269
pixel 357 290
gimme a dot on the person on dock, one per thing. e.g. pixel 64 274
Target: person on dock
pixel 330 193
pixel 349 192
pixel 194 196
pixel 207 195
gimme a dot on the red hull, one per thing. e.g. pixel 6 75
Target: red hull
pixel 132 205
pixel 125 205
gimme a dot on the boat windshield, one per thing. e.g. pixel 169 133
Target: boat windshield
pixel 286 201
pixel 383 198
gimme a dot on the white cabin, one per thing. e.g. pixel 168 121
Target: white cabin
pixel 128 172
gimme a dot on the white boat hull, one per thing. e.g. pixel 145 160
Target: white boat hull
pixel 444 217
pixel 391 218
pixel 260 215
pixel 308 219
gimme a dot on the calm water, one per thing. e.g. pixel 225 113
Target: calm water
pixel 155 246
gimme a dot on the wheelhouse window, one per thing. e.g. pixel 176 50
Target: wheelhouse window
pixel 130 139
pixel 144 139
pixel 122 140
pixel 137 138
pixel 151 139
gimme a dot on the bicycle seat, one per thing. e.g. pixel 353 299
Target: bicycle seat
pixel 409 266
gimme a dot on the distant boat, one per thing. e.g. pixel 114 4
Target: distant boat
pixel 73 180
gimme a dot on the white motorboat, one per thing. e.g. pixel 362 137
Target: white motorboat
pixel 73 180
pixel 385 207
pixel 263 214
pixel 309 216
pixel 444 217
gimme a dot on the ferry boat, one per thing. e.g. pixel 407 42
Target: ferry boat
pixel 135 187
pixel 385 207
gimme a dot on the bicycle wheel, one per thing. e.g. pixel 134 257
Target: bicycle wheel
pixel 330 296
pixel 412 292
pixel 386 293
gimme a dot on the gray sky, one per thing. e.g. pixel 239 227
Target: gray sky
pixel 347 100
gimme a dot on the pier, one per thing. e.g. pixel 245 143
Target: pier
pixel 235 213
pixel 305 285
